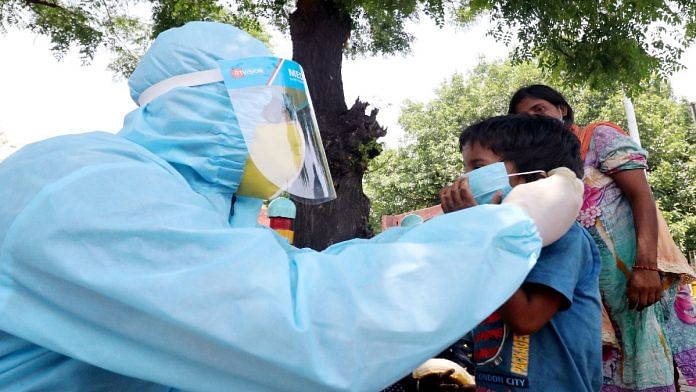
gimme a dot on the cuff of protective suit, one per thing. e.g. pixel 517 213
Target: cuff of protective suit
pixel 569 174
pixel 553 203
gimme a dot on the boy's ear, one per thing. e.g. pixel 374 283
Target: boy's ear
pixel 564 109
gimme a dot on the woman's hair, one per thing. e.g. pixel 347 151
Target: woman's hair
pixel 530 142
pixel 546 93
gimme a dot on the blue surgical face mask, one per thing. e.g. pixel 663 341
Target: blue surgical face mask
pixel 486 181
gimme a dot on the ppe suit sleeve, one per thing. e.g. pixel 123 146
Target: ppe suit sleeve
pixel 127 269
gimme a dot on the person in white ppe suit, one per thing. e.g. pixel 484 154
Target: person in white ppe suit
pixel 132 262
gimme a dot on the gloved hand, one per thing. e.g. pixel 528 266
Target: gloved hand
pixel 553 203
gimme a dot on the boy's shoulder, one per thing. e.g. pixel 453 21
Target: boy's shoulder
pixel 578 233
pixel 575 253
pixel 569 264
pixel 574 240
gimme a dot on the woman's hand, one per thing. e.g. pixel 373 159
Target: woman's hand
pixel 457 196
pixel 644 288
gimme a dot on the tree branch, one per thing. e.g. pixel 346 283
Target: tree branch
pixel 43 3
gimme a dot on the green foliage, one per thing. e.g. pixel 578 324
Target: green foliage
pixel 367 152
pixel 123 27
pixel 88 25
pixel 603 43
pixel 175 13
pixel 410 176
pixel 377 25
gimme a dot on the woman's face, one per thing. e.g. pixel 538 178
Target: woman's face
pixel 541 107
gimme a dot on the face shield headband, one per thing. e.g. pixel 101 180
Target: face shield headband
pixel 274 112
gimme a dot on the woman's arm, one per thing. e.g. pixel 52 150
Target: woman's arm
pixel 644 286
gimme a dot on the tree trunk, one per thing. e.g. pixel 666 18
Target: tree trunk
pixel 319 31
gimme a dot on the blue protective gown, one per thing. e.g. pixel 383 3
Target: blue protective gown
pixel 121 269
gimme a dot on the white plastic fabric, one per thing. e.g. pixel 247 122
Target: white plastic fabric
pixel 550 202
pixel 121 268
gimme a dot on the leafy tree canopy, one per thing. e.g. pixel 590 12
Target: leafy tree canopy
pixel 123 27
pixel 604 43
pixel 377 25
pixel 126 27
pixel 410 177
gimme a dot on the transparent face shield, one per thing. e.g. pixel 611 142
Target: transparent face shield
pixel 276 117
pixel 275 114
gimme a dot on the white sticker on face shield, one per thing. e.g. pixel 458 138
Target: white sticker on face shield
pixel 275 115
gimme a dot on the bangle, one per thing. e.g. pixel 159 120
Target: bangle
pixel 645 267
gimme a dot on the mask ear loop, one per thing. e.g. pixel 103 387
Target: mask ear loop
pixel 531 175
pixel 528 172
pixel 516 174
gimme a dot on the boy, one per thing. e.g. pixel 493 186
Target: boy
pixel 547 336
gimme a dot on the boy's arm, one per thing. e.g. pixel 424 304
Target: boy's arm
pixel 550 286
pixel 531 307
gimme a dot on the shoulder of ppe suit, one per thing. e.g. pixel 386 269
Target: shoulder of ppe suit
pixel 63 155
pixel 74 151
pixel 41 169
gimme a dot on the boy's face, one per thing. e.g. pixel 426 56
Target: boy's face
pixel 476 156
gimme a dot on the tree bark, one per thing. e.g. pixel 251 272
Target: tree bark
pixel 319 30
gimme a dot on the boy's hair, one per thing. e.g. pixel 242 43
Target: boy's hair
pixel 530 142
pixel 546 93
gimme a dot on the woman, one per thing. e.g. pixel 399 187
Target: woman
pixel 640 341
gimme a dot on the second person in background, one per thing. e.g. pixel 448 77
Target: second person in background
pixel 640 340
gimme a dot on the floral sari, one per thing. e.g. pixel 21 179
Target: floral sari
pixel 639 347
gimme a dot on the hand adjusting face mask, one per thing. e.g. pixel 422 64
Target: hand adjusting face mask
pixel 486 181
pixel 275 114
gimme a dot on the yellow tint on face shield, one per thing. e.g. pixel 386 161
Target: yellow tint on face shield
pixel 274 113
pixel 275 160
